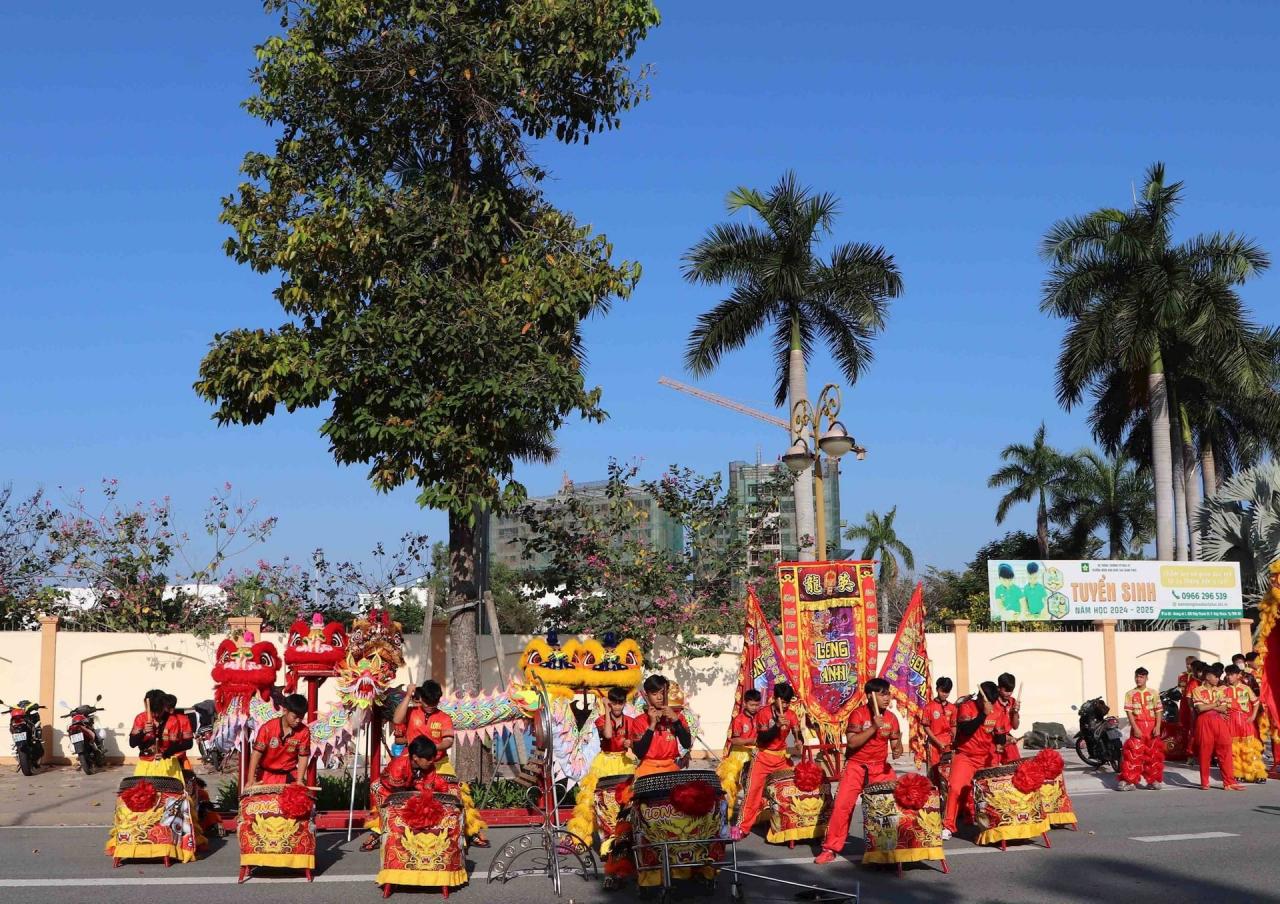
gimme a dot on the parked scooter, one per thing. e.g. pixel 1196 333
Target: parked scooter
pixel 201 716
pixel 87 740
pixel 1098 742
pixel 26 734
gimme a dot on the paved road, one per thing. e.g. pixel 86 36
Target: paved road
pixel 1130 850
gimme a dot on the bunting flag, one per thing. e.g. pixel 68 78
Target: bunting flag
pixel 761 665
pixel 907 670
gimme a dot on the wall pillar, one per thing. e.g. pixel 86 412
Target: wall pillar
pixel 48 669
pixel 1108 626
pixel 1245 627
pixel 960 628
pixel 242 624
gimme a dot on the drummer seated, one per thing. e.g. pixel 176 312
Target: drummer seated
pixel 413 770
pixel 282 747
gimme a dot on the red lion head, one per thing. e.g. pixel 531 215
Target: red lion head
pixel 243 668
pixel 314 647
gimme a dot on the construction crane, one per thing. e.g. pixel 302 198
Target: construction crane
pixel 723 402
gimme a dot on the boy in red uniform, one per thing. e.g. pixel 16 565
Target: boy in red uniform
pixel 1010 718
pixel 775 726
pixel 146 726
pixel 1195 678
pixel 659 733
pixel 1213 733
pixel 282 746
pixel 739 750
pixel 420 714
pixel 977 720
pixel 939 730
pixel 871 735
pixel 613 726
pixel 1144 751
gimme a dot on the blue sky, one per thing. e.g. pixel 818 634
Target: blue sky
pixel 954 135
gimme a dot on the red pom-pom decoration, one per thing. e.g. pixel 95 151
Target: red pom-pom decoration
pixel 1050 764
pixel 422 811
pixel 141 797
pixel 295 802
pixel 694 798
pixel 623 793
pixel 1028 777
pixel 808 776
pixel 912 791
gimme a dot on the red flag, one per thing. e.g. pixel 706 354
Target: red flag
pixel 907 670
pixel 761 666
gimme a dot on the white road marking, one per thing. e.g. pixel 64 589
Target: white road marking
pixel 1192 837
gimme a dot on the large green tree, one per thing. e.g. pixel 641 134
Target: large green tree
pixel 1106 494
pixel 1031 473
pixel 433 297
pixel 880 540
pixel 777 279
pixel 1139 304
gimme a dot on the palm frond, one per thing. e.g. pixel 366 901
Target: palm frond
pixel 726 327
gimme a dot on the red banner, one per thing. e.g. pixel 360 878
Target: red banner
pixel 907 670
pixel 761 665
pixel 829 636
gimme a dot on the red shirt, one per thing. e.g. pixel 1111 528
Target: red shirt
pixel 743 725
pixel 399 776
pixel 437 726
pixel 980 745
pixel 621 731
pixel 875 752
pixel 940 719
pixel 148 734
pixel 280 752
pixel 790 722
pixel 665 745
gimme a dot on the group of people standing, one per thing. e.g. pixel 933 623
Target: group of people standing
pixel 1220 708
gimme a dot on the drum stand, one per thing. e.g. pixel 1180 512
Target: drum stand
pixel 552 851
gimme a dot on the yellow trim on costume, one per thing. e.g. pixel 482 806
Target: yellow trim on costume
pixel 166 768
pixel 730 772
pixel 151 852
pixel 803 833
pixel 436 878
pixel 1013 833
pixel 1061 819
pixel 583 821
pixel 284 861
pixel 904 855
pixel 473 825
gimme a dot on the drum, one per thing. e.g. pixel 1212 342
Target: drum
pixel 690 841
pixel 154 819
pixel 795 815
pixel 605 800
pixel 423 855
pixel 270 837
pixel 895 834
pixel 1057 803
pixel 1002 812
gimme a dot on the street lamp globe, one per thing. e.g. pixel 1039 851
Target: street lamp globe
pixel 798 458
pixel 836 441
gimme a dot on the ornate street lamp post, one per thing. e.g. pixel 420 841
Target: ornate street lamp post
pixel 835 441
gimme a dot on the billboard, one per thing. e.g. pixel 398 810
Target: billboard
pixel 1067 589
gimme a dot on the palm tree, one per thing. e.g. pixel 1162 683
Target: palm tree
pixel 776 279
pixel 1242 524
pixel 1106 493
pixel 1031 473
pixel 881 541
pixel 1135 300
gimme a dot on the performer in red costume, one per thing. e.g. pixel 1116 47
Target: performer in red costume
pixel 1144 751
pixel 871 734
pixel 659 733
pixel 939 730
pixel 977 720
pixel 1213 732
pixel 1187 712
pixel 775 726
pixel 1010 718
pixel 282 746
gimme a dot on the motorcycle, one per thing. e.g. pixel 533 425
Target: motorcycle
pixel 201 717
pixel 26 734
pixel 87 740
pixel 1098 742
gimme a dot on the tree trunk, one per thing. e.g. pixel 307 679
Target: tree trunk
pixel 1161 459
pixel 797 392
pixel 464 652
pixel 1115 538
pixel 1191 481
pixel 1180 537
pixel 1042 528
pixel 1208 469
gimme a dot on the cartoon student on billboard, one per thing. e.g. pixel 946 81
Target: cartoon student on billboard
pixel 1035 593
pixel 1008 594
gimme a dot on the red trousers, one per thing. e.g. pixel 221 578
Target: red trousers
pixel 856 776
pixel 1143 756
pixel 960 787
pixel 764 765
pixel 1213 738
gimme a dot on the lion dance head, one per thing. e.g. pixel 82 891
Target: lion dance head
pixel 583 665
pixel 314 648
pixel 242 669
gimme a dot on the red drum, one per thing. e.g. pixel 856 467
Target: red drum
pixel 691 842
pixel 897 835
pixel 270 838
pixel 1002 812
pixel 430 855
pixel 153 821
pixel 795 815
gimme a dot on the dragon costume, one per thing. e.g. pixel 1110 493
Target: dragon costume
pixel 244 675
pixel 1269 666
